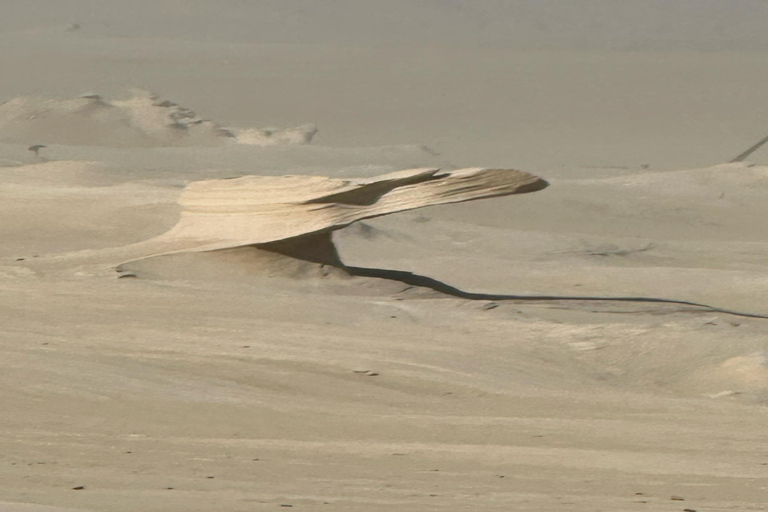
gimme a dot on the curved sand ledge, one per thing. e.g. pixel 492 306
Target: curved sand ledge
pixel 294 216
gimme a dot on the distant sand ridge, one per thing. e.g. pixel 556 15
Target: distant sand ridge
pixel 143 120
pixel 288 219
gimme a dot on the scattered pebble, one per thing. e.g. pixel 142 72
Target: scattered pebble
pixel 123 276
pixel 677 498
pixel 723 393
pixel 78 488
pixel 490 305
pixel 367 373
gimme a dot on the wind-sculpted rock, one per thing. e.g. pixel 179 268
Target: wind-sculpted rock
pixel 294 216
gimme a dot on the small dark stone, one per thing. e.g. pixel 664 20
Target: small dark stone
pixel 78 488
pixel 19 259
pixel 123 276
pixel 677 498
pixel 210 477
pixel 490 305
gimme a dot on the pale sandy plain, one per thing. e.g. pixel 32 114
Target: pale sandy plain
pixel 204 384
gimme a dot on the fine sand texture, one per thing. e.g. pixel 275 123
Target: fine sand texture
pixel 520 262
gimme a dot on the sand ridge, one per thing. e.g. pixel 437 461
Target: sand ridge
pixel 142 120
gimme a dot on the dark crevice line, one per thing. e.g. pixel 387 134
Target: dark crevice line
pixel 438 286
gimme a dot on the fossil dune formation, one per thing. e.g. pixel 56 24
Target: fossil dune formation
pixel 288 220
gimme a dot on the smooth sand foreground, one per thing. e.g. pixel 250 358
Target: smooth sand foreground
pixel 201 381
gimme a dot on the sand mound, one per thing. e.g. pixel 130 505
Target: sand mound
pixel 750 371
pixel 289 219
pixel 739 374
pixel 143 120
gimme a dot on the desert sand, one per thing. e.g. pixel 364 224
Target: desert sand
pixel 337 255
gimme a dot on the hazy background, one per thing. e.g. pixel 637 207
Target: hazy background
pixel 531 83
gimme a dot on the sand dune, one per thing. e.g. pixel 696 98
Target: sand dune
pixel 143 120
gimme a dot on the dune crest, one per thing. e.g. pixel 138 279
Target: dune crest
pixel 143 120
pixel 286 219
